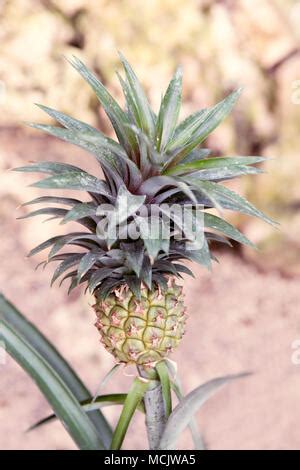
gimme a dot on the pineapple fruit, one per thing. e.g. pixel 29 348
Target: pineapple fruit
pixel 142 331
pixel 139 307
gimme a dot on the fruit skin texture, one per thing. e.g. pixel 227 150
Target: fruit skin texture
pixel 141 331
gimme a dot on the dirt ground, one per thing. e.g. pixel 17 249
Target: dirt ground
pixel 240 319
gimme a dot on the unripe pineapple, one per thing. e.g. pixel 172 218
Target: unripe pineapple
pixel 141 331
pixel 140 316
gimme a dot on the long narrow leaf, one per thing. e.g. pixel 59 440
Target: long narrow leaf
pixel 106 379
pixel 193 425
pixel 188 406
pixel 134 397
pixel 39 342
pixel 116 115
pixel 144 110
pixel 228 199
pixel 212 163
pixel 66 201
pixel 176 386
pixel 164 378
pixel 52 168
pixel 76 180
pixel 205 124
pixel 60 397
pixel 186 128
pixel 91 405
pixel 169 111
pixel 216 223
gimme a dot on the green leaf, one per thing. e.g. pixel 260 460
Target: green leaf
pixel 226 173
pixel 75 238
pixel 186 128
pixel 57 212
pixel 148 156
pixel 152 186
pixel 134 256
pixel 108 152
pixel 212 163
pixel 169 111
pixel 116 115
pixel 98 277
pixel 196 155
pixel 106 287
pixel 188 406
pixel 201 256
pixel 65 265
pixel 134 284
pixel 193 425
pixel 108 400
pixel 184 221
pixel 86 263
pixel 165 266
pixel 67 201
pixel 52 168
pixel 185 189
pixel 127 204
pixel 69 122
pixel 133 399
pixel 215 116
pixel 90 405
pixel 108 376
pixel 183 269
pixel 77 180
pixel 70 239
pixel 130 102
pixel 145 113
pixel 44 245
pixel 146 272
pixel 176 386
pixel 164 378
pixel 83 209
pixel 201 127
pixel 67 408
pixel 19 324
pixel 228 199
pixel 62 400
pixel 217 238
pixel 154 233
pixel 214 222
pixel 160 280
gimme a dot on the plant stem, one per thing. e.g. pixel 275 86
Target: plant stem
pixel 155 412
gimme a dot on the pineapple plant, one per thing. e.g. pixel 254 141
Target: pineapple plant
pixel 154 163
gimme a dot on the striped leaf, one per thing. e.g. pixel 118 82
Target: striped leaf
pixel 199 128
pixel 212 163
pixel 143 108
pixel 116 115
pixel 216 223
pixel 77 180
pixel 169 111
pixel 52 374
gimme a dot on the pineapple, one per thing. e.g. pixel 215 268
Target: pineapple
pixel 154 161
pixel 142 331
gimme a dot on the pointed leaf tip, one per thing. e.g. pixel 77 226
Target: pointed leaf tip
pixel 188 406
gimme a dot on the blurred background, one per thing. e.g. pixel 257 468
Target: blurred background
pixel 245 314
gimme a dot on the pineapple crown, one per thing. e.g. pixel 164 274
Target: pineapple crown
pixel 155 161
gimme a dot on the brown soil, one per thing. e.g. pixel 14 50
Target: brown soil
pixel 240 320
